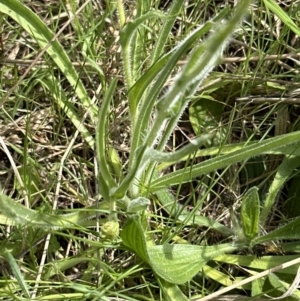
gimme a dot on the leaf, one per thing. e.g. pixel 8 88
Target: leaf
pixel 183 176
pixel 106 180
pixel 282 15
pixel 288 165
pixel 289 231
pixel 14 213
pixel 177 156
pixel 174 263
pixel 17 273
pixel 133 237
pixel 172 291
pixel 260 264
pixel 250 213
pixel 180 263
pixel 139 204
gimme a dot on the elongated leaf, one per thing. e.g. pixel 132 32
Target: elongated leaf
pixel 163 69
pixel 289 150
pixel 182 176
pixel 13 213
pixel 158 156
pixel 282 15
pixel 283 173
pixel 126 37
pixel 250 213
pixel 288 231
pixel 17 273
pixel 106 181
pixel 263 263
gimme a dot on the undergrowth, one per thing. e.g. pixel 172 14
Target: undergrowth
pixel 149 150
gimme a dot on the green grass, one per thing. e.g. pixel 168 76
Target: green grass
pixel 149 150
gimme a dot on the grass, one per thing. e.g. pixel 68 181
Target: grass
pixel 144 157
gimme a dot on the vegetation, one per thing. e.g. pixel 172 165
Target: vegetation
pixel 149 150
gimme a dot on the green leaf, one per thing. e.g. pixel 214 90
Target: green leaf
pixel 180 263
pixel 126 37
pixel 17 273
pixel 172 291
pixel 282 15
pixel 288 165
pixel 177 156
pixel 250 213
pixel 139 204
pixel 261 264
pixel 133 237
pixel 106 181
pixel 183 176
pixel 174 263
pixel 13 213
pixel 289 231
pixel 162 69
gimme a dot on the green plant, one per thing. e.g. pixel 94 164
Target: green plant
pixel 153 116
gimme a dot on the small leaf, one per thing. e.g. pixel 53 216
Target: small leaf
pixel 180 263
pixel 139 204
pixel 133 237
pixel 172 292
pixel 250 213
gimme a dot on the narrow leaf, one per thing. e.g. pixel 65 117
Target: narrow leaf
pixel 250 213
pixel 182 176
pixel 284 171
pixel 17 273
pixel 289 231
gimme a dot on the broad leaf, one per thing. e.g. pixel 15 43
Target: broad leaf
pixel 180 263
pixel 174 263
